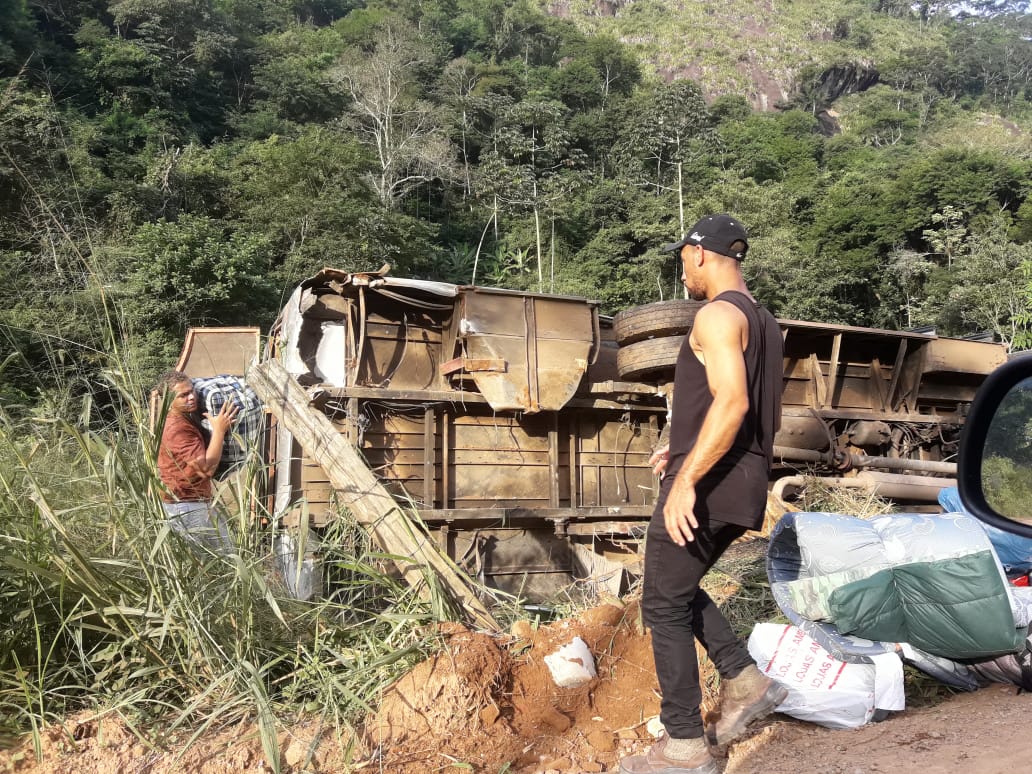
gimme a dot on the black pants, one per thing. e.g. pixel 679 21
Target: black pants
pixel 679 612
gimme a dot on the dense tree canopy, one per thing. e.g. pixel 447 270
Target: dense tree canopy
pixel 183 162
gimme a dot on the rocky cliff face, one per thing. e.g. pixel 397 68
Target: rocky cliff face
pixel 840 80
pixel 826 86
pixel 728 48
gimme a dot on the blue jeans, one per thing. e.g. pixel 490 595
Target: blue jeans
pixel 679 612
pixel 200 524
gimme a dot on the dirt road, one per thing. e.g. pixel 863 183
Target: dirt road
pixel 985 732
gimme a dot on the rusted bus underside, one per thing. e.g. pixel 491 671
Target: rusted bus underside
pixel 446 460
pixel 847 369
pixel 499 416
pixel 893 394
pixel 524 502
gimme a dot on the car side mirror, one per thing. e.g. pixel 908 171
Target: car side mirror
pixel 994 469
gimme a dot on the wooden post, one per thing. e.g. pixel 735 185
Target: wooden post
pixel 429 456
pixel 360 491
pixel 553 461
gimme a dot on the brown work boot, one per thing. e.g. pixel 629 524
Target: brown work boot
pixel 693 757
pixel 749 696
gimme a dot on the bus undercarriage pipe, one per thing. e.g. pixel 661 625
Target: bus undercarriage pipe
pixel 841 460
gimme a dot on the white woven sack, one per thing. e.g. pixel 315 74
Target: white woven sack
pixel 822 689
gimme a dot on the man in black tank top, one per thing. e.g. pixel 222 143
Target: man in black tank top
pixel 726 408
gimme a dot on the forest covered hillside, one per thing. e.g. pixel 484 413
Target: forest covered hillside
pixel 175 163
pixel 166 163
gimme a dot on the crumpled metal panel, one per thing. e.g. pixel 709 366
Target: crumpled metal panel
pixel 546 345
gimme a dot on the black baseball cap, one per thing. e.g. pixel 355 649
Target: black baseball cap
pixel 717 233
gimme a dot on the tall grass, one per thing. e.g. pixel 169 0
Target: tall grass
pixel 102 606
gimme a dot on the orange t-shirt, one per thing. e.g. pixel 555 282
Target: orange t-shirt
pixel 181 443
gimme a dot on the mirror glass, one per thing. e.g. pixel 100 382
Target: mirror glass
pixel 1007 456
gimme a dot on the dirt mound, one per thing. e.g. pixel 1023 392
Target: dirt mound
pixel 485 703
pixel 87 743
pixel 444 701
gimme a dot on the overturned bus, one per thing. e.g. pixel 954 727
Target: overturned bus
pixel 518 426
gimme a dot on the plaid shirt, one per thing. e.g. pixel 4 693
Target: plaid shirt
pixel 212 393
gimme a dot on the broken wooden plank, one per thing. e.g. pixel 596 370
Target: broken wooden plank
pixel 833 370
pixel 819 398
pixel 360 491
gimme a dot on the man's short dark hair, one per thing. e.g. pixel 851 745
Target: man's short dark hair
pixel 170 379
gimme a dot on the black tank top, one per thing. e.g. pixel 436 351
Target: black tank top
pixel 735 489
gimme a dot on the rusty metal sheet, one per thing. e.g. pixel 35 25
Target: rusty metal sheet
pixel 959 356
pixel 509 483
pixel 400 355
pixel 530 563
pixel 545 343
pixel 470 365
pixel 505 433
pixel 218 351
